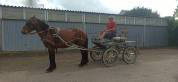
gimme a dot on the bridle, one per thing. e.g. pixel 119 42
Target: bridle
pixel 40 32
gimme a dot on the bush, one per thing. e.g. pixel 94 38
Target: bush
pixel 172 31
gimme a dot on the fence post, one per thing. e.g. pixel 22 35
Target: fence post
pixel 99 18
pixel 161 21
pixel 65 16
pixel 2 38
pixel 83 17
pixel 1 12
pixel 83 21
pixel 134 21
pixel 144 32
pixel 125 20
pixel 46 15
pixel 24 13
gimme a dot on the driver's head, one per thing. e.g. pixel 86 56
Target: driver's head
pixel 111 18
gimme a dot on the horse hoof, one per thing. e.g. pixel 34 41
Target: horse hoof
pixel 81 65
pixel 50 70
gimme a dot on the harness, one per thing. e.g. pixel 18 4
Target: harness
pixel 54 35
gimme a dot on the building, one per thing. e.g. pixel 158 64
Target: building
pixel 148 32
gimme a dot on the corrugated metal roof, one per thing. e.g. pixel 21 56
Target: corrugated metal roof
pixel 76 11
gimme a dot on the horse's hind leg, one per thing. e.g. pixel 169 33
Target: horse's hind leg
pixel 52 63
pixel 84 59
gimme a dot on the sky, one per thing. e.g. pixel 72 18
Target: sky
pixel 163 7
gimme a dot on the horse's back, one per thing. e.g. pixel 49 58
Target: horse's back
pixel 72 32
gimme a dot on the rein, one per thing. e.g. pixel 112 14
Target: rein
pixel 69 43
pixel 35 32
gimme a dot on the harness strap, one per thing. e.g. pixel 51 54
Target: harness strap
pixel 66 43
pixel 35 32
pixel 56 34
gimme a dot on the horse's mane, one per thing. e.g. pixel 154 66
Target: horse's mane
pixel 43 24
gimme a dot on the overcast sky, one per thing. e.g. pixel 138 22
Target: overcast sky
pixel 163 7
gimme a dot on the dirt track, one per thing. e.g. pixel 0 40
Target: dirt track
pixel 153 65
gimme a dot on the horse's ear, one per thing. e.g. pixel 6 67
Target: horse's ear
pixel 33 19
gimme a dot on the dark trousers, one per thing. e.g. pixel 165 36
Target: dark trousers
pixel 110 35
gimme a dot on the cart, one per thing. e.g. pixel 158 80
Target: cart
pixel 109 51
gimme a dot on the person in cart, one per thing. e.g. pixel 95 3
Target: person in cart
pixel 110 30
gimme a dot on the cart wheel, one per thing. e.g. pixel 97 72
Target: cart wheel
pixel 96 55
pixel 130 55
pixel 110 57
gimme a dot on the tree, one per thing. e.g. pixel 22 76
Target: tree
pixel 140 12
pixel 172 31
pixel 173 28
pixel 176 13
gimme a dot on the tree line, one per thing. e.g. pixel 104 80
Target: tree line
pixel 171 20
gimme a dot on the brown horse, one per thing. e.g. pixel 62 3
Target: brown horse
pixel 65 37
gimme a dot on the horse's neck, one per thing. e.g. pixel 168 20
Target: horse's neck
pixel 43 29
pixel 43 34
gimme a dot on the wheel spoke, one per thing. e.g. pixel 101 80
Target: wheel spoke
pixel 130 56
pixel 110 56
pixel 96 55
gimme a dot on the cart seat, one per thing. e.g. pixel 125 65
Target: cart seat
pixel 100 44
pixel 119 39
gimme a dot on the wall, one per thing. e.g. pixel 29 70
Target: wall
pixel 0 34
pixel 148 32
pixel 153 37
pixel 156 36
pixel 0 12
pixel 0 28
pixel 13 40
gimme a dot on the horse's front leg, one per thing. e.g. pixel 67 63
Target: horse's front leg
pixel 84 59
pixel 52 63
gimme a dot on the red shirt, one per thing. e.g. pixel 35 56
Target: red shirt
pixel 111 25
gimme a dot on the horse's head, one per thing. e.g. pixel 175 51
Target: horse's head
pixel 33 24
